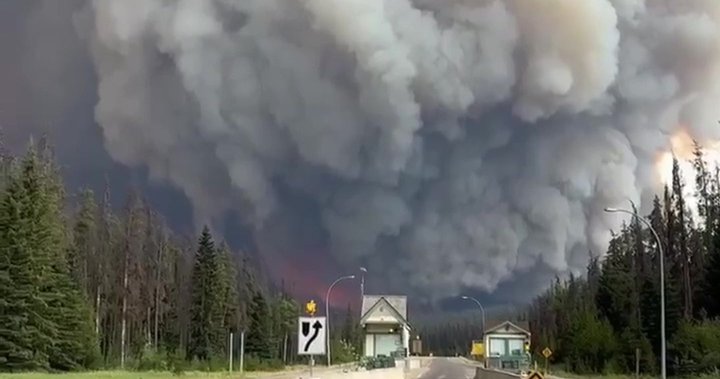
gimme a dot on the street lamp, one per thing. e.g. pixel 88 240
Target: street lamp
pixel 663 369
pixel 362 283
pixel 327 313
pixel 481 308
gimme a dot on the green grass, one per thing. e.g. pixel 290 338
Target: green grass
pixel 137 375
pixel 565 375
pixel 118 374
pixel 121 375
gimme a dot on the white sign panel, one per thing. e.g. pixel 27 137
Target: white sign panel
pixel 311 335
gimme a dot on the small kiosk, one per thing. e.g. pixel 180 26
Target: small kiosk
pixel 506 347
pixel 385 326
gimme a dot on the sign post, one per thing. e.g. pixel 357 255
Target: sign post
pixel 546 353
pixel 230 368
pixel 311 334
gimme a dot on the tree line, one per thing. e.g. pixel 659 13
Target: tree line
pixel 83 286
pixel 609 318
pixel 450 338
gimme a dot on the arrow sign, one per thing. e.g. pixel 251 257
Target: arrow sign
pixel 317 326
pixel 311 335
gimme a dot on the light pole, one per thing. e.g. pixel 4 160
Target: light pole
pixel 327 314
pixel 663 368
pixel 481 308
pixel 362 284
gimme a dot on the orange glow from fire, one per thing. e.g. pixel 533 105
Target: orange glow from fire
pixel 682 146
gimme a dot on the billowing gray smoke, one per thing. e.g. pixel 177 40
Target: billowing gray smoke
pixel 457 142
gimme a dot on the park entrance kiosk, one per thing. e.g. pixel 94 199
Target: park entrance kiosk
pixel 385 326
pixel 506 346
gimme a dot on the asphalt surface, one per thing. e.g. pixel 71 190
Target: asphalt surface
pixel 448 368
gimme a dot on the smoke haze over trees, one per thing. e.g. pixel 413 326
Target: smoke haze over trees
pixel 84 286
pixel 482 137
pixel 445 145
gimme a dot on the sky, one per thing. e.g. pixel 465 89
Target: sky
pixel 454 146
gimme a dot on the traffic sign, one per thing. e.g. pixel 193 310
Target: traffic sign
pixel 535 375
pixel 478 349
pixel 311 335
pixel 547 352
pixel 311 307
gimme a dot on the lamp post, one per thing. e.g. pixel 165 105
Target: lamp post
pixel 663 368
pixel 362 283
pixel 327 313
pixel 481 309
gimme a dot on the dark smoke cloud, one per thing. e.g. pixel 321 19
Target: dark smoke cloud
pixel 48 87
pixel 446 145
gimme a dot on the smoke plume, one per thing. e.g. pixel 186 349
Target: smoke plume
pixel 445 144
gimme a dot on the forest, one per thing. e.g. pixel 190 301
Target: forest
pixel 83 286
pixel 607 319
pixel 86 285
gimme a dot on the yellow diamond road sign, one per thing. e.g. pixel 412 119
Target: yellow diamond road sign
pixel 534 375
pixel 311 307
pixel 477 348
pixel 547 352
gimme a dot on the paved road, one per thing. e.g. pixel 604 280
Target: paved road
pixel 448 368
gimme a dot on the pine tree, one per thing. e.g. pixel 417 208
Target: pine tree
pixel 615 293
pixel 47 310
pixel 82 254
pixel 348 330
pixel 259 335
pixel 204 299
pixel 286 311
pixel 683 220
pixel 170 321
pixel 25 331
pixel 76 346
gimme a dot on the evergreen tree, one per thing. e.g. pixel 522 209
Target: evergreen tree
pixel 203 332
pixel 680 228
pixel 349 327
pixel 230 298
pixel 259 335
pixel 82 252
pixel 47 322
pixel 26 333
pixel 287 313
pixel 76 346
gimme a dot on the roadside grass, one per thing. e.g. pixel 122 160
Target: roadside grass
pixel 119 374
pixel 140 375
pixel 566 375
pixel 122 375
